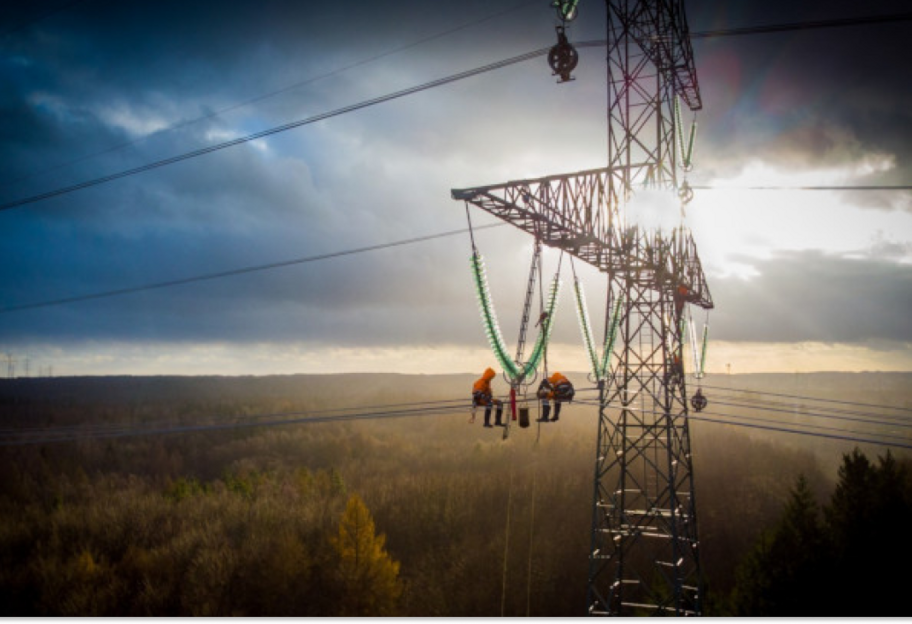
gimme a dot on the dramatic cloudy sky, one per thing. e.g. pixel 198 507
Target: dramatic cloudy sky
pixel 802 280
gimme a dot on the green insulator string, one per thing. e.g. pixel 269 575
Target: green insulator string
pixel 544 333
pixel 685 152
pixel 693 347
pixel 489 317
pixel 688 156
pixel 612 334
pixel 702 368
pixel 599 368
pixel 492 327
pixel 585 327
pixel 679 128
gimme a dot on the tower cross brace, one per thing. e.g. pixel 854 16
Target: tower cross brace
pixel 644 556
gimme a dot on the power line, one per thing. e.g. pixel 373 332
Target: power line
pixel 104 427
pixel 420 408
pixel 235 425
pixel 811 415
pixel 828 413
pixel 285 89
pixel 807 398
pixel 846 187
pixel 755 425
pixel 809 25
pixel 817 410
pixel 801 409
pixel 238 271
pixel 428 408
pixel 419 88
pixel 276 130
pixel 832 410
pixel 775 28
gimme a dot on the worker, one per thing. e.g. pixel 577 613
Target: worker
pixel 681 293
pixel 482 395
pixel 555 388
pixel 675 374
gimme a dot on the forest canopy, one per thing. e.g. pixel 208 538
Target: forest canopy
pixel 419 516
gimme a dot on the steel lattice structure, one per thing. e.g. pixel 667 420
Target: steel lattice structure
pixel 644 557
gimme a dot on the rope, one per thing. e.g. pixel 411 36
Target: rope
pixel 471 232
pixel 503 591
pixel 544 357
pixel 531 536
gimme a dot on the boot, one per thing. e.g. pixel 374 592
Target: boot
pixel 499 421
pixel 556 412
pixel 488 417
pixel 546 409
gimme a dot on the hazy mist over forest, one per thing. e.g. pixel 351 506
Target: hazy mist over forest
pixel 136 513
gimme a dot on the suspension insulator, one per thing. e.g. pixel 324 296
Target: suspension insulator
pixel 566 9
pixel 563 57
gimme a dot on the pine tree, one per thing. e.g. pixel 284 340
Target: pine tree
pixel 868 517
pixel 799 567
pixel 785 573
pixel 368 576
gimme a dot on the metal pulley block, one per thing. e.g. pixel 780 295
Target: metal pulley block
pixel 698 401
pixel 563 57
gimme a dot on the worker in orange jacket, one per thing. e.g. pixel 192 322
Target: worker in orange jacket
pixel 482 395
pixel 555 388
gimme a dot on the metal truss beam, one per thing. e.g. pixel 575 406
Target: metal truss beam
pixel 574 212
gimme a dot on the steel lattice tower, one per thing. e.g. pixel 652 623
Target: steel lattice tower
pixel 644 557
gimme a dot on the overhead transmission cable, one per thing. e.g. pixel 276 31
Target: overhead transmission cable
pixel 111 426
pixel 757 425
pixel 233 272
pixel 821 411
pixel 773 425
pixel 427 408
pixel 807 25
pixel 70 433
pixel 285 89
pixel 802 412
pixel 818 399
pixel 34 435
pixel 410 91
pixel 847 187
pixel 890 435
pixel 275 130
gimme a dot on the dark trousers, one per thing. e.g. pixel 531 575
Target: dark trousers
pixel 499 405
pixel 546 410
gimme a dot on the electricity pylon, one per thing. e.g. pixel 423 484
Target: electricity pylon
pixel 645 550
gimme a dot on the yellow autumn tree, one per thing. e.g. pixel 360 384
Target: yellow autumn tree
pixel 368 576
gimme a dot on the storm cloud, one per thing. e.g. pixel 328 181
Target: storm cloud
pixel 813 296
pixel 98 87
